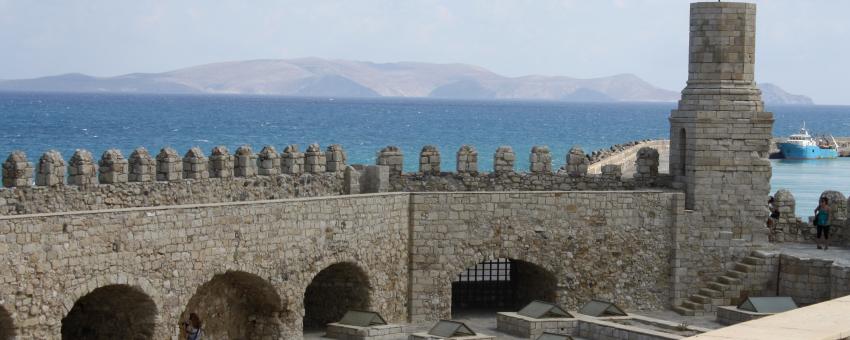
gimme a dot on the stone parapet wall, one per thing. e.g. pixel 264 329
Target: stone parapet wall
pixel 812 280
pixel 520 181
pixel 626 157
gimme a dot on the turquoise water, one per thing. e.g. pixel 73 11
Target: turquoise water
pixel 37 122
pixel 808 179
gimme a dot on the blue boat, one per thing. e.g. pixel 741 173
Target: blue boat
pixel 803 146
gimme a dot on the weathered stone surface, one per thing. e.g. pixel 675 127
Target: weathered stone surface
pixel 246 162
pixel 292 160
pixel 81 169
pixel 503 159
pixel 269 161
pixel 540 159
pixel 142 166
pixel 222 163
pixel 169 166
pixel 467 159
pixel 51 169
pixel 392 157
pixel 113 167
pixel 429 160
pixel 195 164
pixel 336 157
pixel 314 160
pixel 17 170
pixel 646 164
pixel 577 162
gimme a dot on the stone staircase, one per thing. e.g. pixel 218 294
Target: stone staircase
pixel 725 289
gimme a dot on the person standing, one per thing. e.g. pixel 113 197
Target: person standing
pixel 822 222
pixel 193 327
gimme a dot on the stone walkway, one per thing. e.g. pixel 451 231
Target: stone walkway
pixel 841 255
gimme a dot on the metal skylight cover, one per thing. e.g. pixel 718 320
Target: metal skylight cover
pixel 540 309
pixel 450 329
pixel 601 308
pixel 774 304
pixel 362 319
pixel 553 336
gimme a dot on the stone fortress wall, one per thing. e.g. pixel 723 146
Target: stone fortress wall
pixel 264 245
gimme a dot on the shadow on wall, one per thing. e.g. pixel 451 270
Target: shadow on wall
pixel 110 312
pixel 236 305
pixel 335 290
pixel 7 327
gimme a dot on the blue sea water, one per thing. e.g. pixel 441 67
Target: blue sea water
pixel 37 122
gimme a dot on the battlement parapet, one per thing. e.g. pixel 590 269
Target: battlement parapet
pixel 113 167
pixel 268 161
pixel 221 162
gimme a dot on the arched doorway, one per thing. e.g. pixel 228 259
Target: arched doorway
pixel 111 312
pixel 501 285
pixel 335 290
pixel 236 305
pixel 7 326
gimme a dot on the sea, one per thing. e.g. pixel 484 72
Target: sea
pixel 37 122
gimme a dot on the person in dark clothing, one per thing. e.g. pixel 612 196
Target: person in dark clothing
pixel 822 223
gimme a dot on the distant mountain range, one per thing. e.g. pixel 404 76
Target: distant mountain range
pixel 315 77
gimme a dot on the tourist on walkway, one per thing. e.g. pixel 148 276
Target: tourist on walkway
pixel 193 327
pixel 822 222
pixel 774 213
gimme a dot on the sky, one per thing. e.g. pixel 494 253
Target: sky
pixel 802 45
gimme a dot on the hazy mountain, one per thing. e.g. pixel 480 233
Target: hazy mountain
pixel 772 94
pixel 344 78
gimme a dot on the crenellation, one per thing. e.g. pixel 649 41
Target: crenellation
pixel 337 159
pixel 142 166
pixel 246 162
pixel 577 162
pixel 221 163
pixel 268 162
pixel 503 159
pixel 292 160
pixel 540 159
pixel 467 159
pixel 17 170
pixel 113 167
pixel 646 164
pixel 51 169
pixel 429 160
pixel 315 161
pixel 392 157
pixel 81 169
pixel 195 164
pixel 169 166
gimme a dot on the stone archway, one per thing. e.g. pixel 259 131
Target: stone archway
pixel 501 285
pixel 115 311
pixel 238 306
pixel 335 290
pixel 7 326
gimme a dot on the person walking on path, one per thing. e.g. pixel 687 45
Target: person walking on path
pixel 193 327
pixel 822 222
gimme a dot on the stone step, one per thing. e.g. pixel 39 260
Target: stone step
pixel 701 299
pixel 759 254
pixel 729 281
pixel 711 292
pixel 718 287
pixel 695 306
pixel 752 260
pixel 735 274
pixel 683 311
pixel 745 268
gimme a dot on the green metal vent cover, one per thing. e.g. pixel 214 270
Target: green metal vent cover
pixel 540 309
pixel 553 336
pixel 774 304
pixel 362 319
pixel 601 308
pixel 450 329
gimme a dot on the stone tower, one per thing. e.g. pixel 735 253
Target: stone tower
pixel 720 134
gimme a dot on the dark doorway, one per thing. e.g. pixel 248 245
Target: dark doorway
pixel 501 285
pixel 111 312
pixel 335 290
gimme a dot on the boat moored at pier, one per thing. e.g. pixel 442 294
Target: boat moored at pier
pixel 802 145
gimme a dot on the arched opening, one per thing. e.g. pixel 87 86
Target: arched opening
pixel 683 151
pixel 7 326
pixel 335 290
pixel 111 312
pixel 236 305
pixel 501 285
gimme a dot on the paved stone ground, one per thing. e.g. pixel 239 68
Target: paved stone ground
pixel 485 323
pixel 841 255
